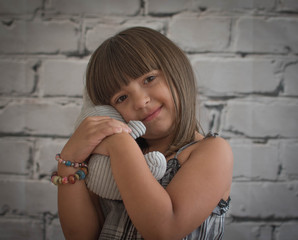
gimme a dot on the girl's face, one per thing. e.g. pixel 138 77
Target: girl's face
pixel 148 99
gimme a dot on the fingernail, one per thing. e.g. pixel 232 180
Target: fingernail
pixel 118 130
pixel 127 130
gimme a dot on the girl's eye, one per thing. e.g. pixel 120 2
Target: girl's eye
pixel 149 79
pixel 121 99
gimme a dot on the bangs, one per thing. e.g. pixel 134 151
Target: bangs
pixel 115 64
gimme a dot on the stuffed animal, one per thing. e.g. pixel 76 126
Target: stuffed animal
pixel 100 179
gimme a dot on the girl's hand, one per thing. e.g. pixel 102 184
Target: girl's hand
pixel 89 134
pixel 106 146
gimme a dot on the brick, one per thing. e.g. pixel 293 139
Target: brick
pixel 156 7
pixel 39 118
pixel 262 117
pixel 197 37
pixel 38 37
pixel 204 117
pixel 264 199
pixel 224 76
pixel 29 197
pixel 19 6
pixel 54 231
pixel 209 114
pixel 17 77
pixel 20 229
pixel 288 231
pixel 275 35
pixel 63 77
pixel 288 5
pixel 255 161
pixel 15 155
pixel 235 4
pixel 291 80
pixel 248 231
pixel 103 7
pixel 288 156
pixel 46 154
pixel 99 32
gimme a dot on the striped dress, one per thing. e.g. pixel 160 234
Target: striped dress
pixel 118 225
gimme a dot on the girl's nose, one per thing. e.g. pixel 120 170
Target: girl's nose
pixel 141 99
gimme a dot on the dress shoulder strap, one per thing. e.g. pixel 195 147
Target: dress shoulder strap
pixel 210 134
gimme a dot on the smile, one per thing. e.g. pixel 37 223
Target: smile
pixel 152 115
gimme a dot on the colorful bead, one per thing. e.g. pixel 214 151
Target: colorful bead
pixel 85 170
pixel 64 180
pixel 55 180
pixel 81 174
pixel 71 179
pixel 59 180
pixel 68 163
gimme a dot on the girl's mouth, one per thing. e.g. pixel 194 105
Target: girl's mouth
pixel 152 115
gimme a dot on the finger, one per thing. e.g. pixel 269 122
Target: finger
pixel 119 125
pixel 105 131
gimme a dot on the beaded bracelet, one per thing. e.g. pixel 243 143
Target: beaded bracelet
pixel 69 163
pixel 79 175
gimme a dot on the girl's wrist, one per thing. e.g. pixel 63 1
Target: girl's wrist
pixel 71 178
pixel 117 140
pixel 110 142
pixel 64 170
pixel 67 166
pixel 71 156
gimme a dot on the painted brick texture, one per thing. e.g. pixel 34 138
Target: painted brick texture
pixel 245 58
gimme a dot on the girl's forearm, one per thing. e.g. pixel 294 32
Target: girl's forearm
pixel 78 216
pixel 146 201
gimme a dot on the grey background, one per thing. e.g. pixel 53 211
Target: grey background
pixel 245 56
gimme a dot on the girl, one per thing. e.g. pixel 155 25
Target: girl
pixel 146 77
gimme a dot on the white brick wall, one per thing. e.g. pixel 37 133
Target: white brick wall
pixel 36 117
pixel 103 7
pixel 17 77
pixel 37 36
pixel 19 152
pixel 259 76
pixel 244 55
pixel 192 32
pixel 59 75
pixel 267 35
pixel 262 117
pixel 21 229
pixel 291 79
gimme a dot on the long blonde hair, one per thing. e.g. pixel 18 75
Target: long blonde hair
pixel 135 52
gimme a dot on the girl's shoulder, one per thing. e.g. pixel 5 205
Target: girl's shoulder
pixel 210 146
pixel 206 168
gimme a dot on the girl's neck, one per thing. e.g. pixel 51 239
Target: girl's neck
pixel 160 145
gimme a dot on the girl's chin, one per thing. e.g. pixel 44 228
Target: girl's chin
pixel 156 135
